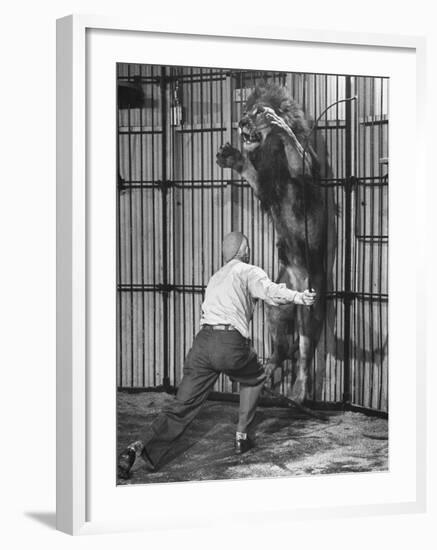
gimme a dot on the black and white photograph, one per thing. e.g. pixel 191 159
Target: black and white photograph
pixel 252 274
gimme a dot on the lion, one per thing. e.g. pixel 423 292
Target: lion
pixel 282 168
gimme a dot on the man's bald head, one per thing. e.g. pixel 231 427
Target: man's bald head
pixel 235 247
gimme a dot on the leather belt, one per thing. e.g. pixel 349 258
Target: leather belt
pixel 220 327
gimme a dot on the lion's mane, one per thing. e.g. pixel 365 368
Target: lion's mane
pixel 270 160
pixel 277 97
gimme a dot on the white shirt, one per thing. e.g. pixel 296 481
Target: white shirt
pixel 232 291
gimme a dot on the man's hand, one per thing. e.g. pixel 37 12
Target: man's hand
pixel 269 370
pixel 306 298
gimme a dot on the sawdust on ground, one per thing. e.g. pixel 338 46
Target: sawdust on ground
pixel 287 442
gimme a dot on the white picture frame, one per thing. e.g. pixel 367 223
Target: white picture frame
pixel 74 282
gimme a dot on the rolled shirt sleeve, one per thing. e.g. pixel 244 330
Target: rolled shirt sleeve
pixel 260 286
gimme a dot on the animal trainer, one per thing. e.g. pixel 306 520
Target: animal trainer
pixel 221 346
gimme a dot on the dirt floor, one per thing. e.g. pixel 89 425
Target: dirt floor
pixel 288 443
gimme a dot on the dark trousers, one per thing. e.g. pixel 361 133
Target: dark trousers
pixel 213 352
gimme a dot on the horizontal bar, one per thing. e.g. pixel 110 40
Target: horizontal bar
pixel 204 77
pixel 334 126
pixel 330 127
pixel 147 389
pixel 189 184
pixel 365 410
pixel 377 181
pixel 176 183
pixel 198 77
pixel 148 287
pixel 372 238
pixel 185 185
pixel 146 185
pixel 373 121
pixel 125 287
pixel 362 179
pixel 236 72
pixel 142 132
pixel 183 130
pixel 200 80
pixel 362 296
pixel 145 79
pixel 340 406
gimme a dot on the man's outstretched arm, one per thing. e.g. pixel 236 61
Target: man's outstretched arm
pixel 263 288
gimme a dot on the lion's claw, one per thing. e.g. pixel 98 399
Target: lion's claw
pixel 229 157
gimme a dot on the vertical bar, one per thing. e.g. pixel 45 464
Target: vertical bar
pixel 166 379
pixel 381 245
pixel 193 209
pixel 339 223
pixel 211 170
pixel 366 162
pixel 372 246
pixel 224 104
pixel 241 194
pixel 381 153
pixel 183 191
pixel 173 73
pixel 131 294
pixel 348 238
pixel 323 171
pixel 359 138
pixel 222 183
pixel 202 187
pixel 152 73
pixel 142 176
pixel 317 99
pixel 233 86
pixel 119 297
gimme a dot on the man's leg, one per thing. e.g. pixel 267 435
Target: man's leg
pixel 193 390
pixel 251 378
pixel 248 400
pixel 198 379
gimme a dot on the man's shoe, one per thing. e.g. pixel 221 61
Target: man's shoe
pixel 125 462
pixel 243 445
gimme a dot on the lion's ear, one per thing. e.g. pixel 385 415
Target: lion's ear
pixel 285 105
pixel 262 84
pixel 260 89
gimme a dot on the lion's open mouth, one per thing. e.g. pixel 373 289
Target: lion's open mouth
pixel 250 137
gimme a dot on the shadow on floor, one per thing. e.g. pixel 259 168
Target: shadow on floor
pixel 288 443
pixel 46 518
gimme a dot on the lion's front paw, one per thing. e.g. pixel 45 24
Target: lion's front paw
pixel 229 157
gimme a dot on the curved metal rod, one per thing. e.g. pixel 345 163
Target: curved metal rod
pixel 305 149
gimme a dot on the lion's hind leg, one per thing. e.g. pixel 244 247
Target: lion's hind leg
pixel 281 321
pixel 309 324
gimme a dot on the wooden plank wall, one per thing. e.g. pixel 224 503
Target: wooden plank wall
pixel 139 246
pixel 369 366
